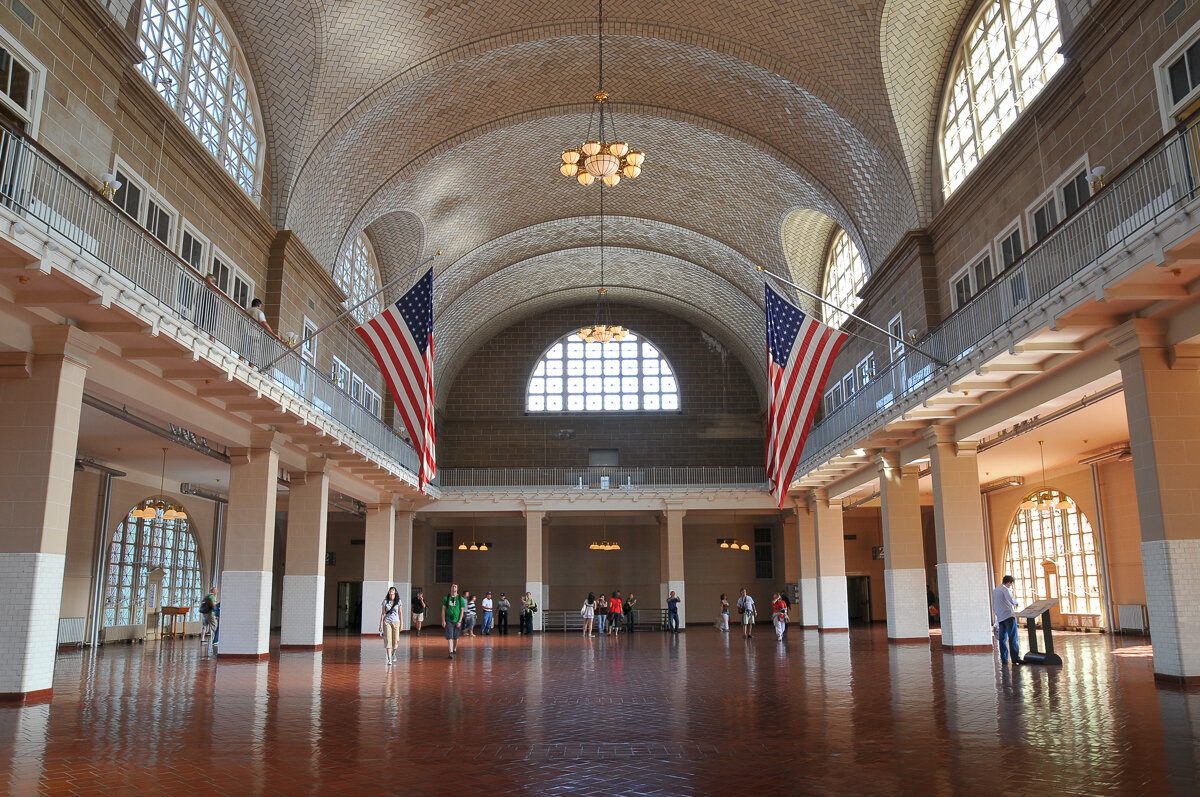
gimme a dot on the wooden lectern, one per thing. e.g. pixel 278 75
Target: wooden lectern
pixel 1031 613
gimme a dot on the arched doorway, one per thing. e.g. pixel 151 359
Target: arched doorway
pixel 140 545
pixel 1052 552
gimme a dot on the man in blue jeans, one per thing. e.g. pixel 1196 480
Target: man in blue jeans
pixel 673 613
pixel 1003 606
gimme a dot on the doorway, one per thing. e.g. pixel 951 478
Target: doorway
pixel 858 598
pixel 349 605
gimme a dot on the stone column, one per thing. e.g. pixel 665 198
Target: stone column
pixel 534 572
pixel 1162 393
pixel 40 399
pixel 963 589
pixel 304 566
pixel 806 531
pixel 832 602
pixel 249 548
pixel 903 551
pixel 402 564
pixel 378 558
pixel 671 559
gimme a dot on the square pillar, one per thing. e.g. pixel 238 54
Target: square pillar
pixel 671 559
pixel 806 542
pixel 40 402
pixel 903 551
pixel 833 611
pixel 379 555
pixel 249 548
pixel 963 587
pixel 402 563
pixel 534 570
pixel 1162 393
pixel 304 566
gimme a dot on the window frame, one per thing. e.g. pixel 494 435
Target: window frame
pixel 896 327
pixel 998 242
pixel 139 567
pixel 837 242
pixel 37 78
pixel 206 248
pixel 340 374
pixel 348 260
pixel 372 401
pixel 1169 109
pixel 869 361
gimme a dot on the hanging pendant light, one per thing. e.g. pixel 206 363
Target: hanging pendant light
pixel 159 507
pixel 1040 501
pixel 602 330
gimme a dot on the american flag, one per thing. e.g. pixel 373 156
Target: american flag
pixel 401 338
pixel 800 354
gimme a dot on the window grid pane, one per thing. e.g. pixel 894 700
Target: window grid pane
pixel 138 546
pixel 612 377
pixel 357 275
pixel 844 278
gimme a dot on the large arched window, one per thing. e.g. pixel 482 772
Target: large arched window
pixel 196 66
pixel 1009 54
pixel 844 278
pixel 573 376
pixel 358 276
pixel 1051 552
pixel 138 547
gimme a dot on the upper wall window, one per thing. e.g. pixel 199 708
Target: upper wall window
pixel 20 86
pixel 573 376
pixel 1009 54
pixel 196 66
pixel 358 277
pixel 844 278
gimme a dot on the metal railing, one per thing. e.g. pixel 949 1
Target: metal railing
pixel 48 195
pixel 645 619
pixel 603 478
pixel 1153 186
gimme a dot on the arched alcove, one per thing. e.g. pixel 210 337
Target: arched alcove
pixel 139 545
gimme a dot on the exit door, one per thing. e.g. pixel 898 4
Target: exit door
pixel 349 605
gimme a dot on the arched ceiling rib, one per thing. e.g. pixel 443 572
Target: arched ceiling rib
pixel 398 240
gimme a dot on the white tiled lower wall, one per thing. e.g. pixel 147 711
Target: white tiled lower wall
pixel 810 612
pixel 1172 571
pixel 907 611
pixel 245 612
pixel 31 587
pixel 833 602
pixel 964 597
pixel 303 611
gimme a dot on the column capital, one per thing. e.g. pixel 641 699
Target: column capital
pixel 674 508
pixel 821 498
pixel 533 510
pixel 1184 357
pixel 887 461
pixel 61 340
pixel 1135 334
pixel 939 434
pixel 261 440
pixel 386 502
pixel 968 447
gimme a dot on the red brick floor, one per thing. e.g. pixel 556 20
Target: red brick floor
pixel 703 713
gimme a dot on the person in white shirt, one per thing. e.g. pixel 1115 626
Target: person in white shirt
pixel 745 605
pixel 487 613
pixel 1004 606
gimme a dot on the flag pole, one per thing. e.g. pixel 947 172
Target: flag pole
pixel 350 310
pixel 824 301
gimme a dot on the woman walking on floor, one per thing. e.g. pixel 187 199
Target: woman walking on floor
pixel 390 612
pixel 588 613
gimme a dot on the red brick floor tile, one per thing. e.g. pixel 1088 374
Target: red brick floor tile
pixel 702 713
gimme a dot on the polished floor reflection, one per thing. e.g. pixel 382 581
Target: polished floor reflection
pixel 701 713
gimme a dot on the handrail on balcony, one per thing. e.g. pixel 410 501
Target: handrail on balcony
pixel 603 477
pixel 1162 179
pixel 48 194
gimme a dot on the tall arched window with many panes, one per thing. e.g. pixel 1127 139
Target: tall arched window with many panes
pixel 1051 552
pixel 1009 53
pixel 631 375
pixel 139 545
pixel 194 63
pixel 844 278
pixel 357 274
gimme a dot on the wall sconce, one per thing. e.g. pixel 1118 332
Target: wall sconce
pixel 109 185
pixel 1095 177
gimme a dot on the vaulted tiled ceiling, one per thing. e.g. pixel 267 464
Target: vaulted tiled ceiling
pixel 437 125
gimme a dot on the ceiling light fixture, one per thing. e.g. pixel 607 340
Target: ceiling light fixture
pixel 474 545
pixel 1040 501
pixel 158 507
pixel 598 158
pixel 732 544
pixel 602 330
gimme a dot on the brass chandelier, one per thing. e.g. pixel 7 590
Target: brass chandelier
pixel 159 508
pixel 602 330
pixel 599 158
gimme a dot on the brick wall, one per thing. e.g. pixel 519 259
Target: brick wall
pixel 485 424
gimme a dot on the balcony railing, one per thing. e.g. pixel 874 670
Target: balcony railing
pixel 1152 187
pixel 49 196
pixel 603 478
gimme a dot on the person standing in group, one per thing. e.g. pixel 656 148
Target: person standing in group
pixel 787 603
pixel 602 614
pixel 469 618
pixel 630 602
pixel 528 608
pixel 487 613
pixel 745 606
pixel 390 612
pixel 673 612
pixel 1004 606
pixel 453 609
pixel 779 615
pixel 588 613
pixel 502 607
pixel 723 614
pixel 418 612
pixel 616 612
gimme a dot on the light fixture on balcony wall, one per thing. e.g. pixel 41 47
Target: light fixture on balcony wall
pixel 731 544
pixel 158 507
pixel 109 185
pixel 598 158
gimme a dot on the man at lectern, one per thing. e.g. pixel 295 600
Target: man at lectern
pixel 1004 606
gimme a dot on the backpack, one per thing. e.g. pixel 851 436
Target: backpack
pixel 206 605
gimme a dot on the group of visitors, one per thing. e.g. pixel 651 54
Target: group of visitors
pixel 461 613
pixel 607 614
pixel 748 611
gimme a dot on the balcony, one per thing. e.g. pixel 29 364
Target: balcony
pixel 733 477
pixel 94 243
pixel 1050 279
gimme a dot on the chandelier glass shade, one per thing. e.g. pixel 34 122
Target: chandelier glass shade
pixel 1044 499
pixel 604 545
pixel 731 544
pixel 598 157
pixel 159 507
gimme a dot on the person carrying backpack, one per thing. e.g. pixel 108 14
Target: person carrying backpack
pixel 453 609
pixel 209 616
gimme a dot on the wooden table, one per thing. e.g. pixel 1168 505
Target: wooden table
pixel 169 615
